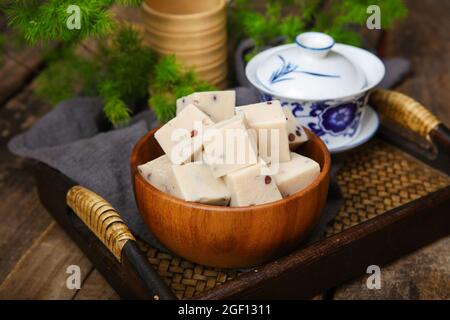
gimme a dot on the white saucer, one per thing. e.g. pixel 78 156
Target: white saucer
pixel 370 123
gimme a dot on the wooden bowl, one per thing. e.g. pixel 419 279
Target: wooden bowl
pixel 230 237
pixel 181 16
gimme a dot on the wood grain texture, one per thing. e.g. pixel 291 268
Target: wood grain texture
pixel 25 223
pixel 41 273
pixel 131 278
pixel 19 63
pixel 343 256
pixel 23 218
pixel 95 287
pixel 226 236
pixel 424 39
pixel 18 68
pixel 422 275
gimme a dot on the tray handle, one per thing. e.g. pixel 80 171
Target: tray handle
pixel 105 222
pixel 405 111
pixel 101 218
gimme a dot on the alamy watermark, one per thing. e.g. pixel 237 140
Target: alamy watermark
pixel 374 280
pixel 73 281
pixel 374 20
pixel 231 146
pixel 73 22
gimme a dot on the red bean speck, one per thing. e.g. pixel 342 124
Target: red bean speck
pixel 269 102
pixel 193 133
pixel 267 179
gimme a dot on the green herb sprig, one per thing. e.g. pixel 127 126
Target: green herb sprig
pixel 288 18
pixel 119 70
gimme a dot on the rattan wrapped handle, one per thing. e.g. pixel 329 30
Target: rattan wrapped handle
pixel 405 111
pixel 101 218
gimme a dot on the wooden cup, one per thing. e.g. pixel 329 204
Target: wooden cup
pixel 194 31
pixel 214 71
pixel 198 58
pixel 186 42
pixel 182 16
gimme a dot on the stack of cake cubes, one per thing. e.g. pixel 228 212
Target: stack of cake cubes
pixel 220 154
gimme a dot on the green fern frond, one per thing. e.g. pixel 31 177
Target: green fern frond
pixel 167 71
pixel 170 82
pixel 128 63
pixel 338 18
pixel 66 76
pixel 114 108
pixel 163 106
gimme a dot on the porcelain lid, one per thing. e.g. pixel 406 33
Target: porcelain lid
pixel 311 70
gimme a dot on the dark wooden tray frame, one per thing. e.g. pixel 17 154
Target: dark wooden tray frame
pixel 302 274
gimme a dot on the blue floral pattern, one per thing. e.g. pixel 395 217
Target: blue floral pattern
pixel 327 118
pixel 287 68
pixel 338 120
pixel 266 97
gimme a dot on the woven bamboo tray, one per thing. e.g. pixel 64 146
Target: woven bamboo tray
pixel 396 199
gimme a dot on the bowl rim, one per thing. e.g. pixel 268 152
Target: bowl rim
pixel 324 173
pixel 221 5
pixel 338 46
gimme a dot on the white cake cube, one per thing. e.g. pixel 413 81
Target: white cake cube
pixel 229 147
pixel 218 105
pixel 296 133
pixel 197 184
pixel 252 186
pixel 296 174
pixel 269 120
pixel 159 174
pixel 181 137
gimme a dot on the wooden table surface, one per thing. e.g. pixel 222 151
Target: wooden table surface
pixel 35 252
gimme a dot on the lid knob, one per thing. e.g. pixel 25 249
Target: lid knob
pixel 316 44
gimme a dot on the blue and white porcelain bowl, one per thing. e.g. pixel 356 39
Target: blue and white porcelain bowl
pixel 325 84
